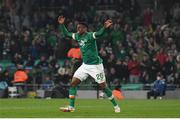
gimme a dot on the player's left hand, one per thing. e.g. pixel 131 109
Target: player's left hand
pixel 108 23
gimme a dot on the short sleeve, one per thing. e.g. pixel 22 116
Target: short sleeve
pixel 93 34
pixel 73 36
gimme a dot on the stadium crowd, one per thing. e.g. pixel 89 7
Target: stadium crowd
pixel 134 50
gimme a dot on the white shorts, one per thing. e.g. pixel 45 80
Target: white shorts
pixel 95 71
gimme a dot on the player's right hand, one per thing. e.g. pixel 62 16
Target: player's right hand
pixel 61 19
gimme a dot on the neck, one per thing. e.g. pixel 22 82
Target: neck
pixel 82 33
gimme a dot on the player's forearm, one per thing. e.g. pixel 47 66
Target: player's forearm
pixel 100 32
pixel 65 31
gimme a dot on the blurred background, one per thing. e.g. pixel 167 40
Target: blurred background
pixel 37 61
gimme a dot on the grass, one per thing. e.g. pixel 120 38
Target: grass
pixel 88 108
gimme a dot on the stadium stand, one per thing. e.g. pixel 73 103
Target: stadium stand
pixel 149 30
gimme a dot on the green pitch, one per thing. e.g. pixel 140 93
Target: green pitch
pixel 89 108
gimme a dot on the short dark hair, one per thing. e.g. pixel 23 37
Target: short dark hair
pixel 84 24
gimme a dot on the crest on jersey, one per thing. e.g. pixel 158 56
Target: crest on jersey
pixel 82 42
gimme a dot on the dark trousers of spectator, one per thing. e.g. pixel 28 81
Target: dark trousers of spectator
pixel 21 88
pixel 77 64
pixel 152 93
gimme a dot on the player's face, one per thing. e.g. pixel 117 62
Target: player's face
pixel 81 29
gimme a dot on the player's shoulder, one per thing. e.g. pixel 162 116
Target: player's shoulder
pixel 91 34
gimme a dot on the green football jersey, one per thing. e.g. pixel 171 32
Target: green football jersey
pixel 87 44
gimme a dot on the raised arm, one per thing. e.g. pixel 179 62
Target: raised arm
pixel 107 24
pixel 61 20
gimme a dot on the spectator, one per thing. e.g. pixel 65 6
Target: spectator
pixel 155 68
pixel 168 69
pixel 18 59
pixel 159 87
pixel 111 61
pixel 1 44
pixel 43 63
pixel 26 43
pixel 122 71
pixel 117 35
pixel 103 53
pixel 134 69
pixel 161 56
pixel 20 75
pixel 3 89
pixel 64 73
pixel 15 46
pixel 146 69
pixel 74 52
pixel 4 80
pixel 20 78
pixel 112 77
pixel 121 52
pixel 148 17
pixel 53 63
pixel 6 77
pixel 47 84
pixel 177 79
pixel 75 55
pixel 30 61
